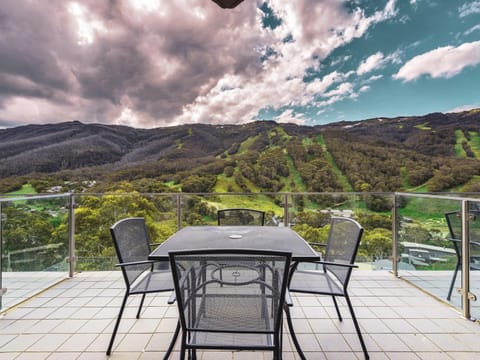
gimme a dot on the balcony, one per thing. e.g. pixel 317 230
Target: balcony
pixel 61 300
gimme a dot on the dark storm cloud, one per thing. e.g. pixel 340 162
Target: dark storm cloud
pixel 29 48
pixel 153 63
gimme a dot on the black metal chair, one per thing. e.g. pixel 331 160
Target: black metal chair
pixel 331 275
pixel 141 275
pixel 242 310
pixel 454 222
pixel 240 216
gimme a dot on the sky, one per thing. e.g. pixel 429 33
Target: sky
pixel 155 63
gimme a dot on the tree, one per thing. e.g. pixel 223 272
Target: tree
pixel 94 216
pixel 377 243
pixel 198 184
pixel 228 171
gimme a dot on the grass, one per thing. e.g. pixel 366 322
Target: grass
pixel 26 189
pixel 428 212
pixel 423 126
pixel 245 145
pixel 404 175
pixel 295 175
pixel 460 137
pixel 223 183
pixel 475 143
pixel 307 141
pixel 172 185
pixel 342 179
pixel 280 131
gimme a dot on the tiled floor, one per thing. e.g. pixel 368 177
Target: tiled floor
pixel 23 285
pixel 437 283
pixel 74 320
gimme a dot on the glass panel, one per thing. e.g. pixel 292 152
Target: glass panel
pixel 35 245
pixel 474 235
pixel 95 214
pixel 428 249
pixel 202 209
pixel 310 213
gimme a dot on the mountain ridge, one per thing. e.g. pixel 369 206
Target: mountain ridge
pixel 379 154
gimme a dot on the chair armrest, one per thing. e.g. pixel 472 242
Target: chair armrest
pixel 172 298
pixel 476 243
pixel 288 298
pixel 143 262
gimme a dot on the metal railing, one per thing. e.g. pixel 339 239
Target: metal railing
pixel 81 225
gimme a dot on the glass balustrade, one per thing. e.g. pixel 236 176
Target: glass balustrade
pixel 429 246
pixel 403 232
pixel 34 233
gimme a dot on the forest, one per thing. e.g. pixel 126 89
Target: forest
pixel 116 172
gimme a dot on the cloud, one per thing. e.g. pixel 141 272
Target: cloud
pixel 288 116
pixel 443 62
pixel 472 29
pixel 464 108
pixel 469 8
pixel 377 61
pixel 371 63
pixel 156 63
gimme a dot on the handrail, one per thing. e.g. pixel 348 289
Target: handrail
pixel 4 198
pixel 438 197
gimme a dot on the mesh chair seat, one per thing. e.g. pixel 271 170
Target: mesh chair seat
pixel 315 281
pixel 235 315
pixel 151 282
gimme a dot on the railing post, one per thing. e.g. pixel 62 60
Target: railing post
pixel 465 290
pixel 395 226
pixel 71 236
pixel 179 211
pixel 2 289
pixel 286 220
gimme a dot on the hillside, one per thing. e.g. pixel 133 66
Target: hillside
pixel 439 151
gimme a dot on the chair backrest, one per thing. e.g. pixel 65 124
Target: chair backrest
pixel 132 244
pixel 230 291
pixel 454 222
pixel 342 246
pixel 239 216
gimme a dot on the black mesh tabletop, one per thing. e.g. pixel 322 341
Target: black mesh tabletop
pixel 237 237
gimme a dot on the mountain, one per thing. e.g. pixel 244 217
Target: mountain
pixel 440 151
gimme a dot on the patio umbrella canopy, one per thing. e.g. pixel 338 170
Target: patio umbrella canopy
pixel 228 4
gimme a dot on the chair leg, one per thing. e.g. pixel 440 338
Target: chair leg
pixel 172 343
pixel 117 323
pixel 141 305
pixel 357 327
pixel 453 280
pixel 292 333
pixel 183 347
pixel 337 308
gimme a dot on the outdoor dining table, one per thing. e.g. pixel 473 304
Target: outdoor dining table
pixel 237 237
pixel 240 237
